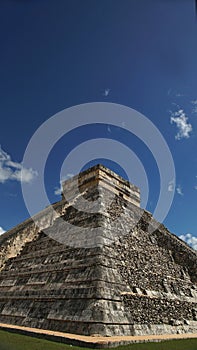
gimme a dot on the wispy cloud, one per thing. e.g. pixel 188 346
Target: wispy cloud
pixel 177 94
pixel 190 240
pixel 169 92
pixel 11 170
pixel 195 186
pixel 106 92
pixel 1 230
pixel 194 106
pixel 171 186
pixel 179 190
pixel 109 129
pixel 174 93
pixel 58 190
pixel 181 120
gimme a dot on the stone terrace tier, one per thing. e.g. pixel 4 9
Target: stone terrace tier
pixel 101 176
pixel 131 281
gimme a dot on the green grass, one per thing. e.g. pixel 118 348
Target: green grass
pixel 12 341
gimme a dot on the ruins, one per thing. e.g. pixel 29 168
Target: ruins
pixel 111 270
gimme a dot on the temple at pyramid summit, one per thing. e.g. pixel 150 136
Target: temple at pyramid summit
pixel 97 264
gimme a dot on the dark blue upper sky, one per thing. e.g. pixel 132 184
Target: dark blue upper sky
pixel 57 54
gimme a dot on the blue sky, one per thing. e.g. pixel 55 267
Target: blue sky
pixel 138 53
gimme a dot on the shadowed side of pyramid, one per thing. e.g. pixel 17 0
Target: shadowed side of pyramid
pixel 95 268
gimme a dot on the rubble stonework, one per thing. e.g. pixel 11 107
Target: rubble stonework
pixel 126 280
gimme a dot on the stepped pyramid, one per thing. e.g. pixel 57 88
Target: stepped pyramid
pixel 100 271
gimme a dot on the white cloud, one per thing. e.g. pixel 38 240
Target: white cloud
pixel 195 187
pixel 179 190
pixel 106 92
pixel 68 176
pixel 190 240
pixel 171 186
pixel 1 230
pixel 10 170
pixel 58 190
pixel 181 121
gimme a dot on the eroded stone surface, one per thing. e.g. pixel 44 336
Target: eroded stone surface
pixel 107 276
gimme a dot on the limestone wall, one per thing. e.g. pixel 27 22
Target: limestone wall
pixel 118 280
pixel 13 241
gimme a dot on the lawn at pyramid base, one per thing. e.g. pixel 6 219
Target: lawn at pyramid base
pixel 104 273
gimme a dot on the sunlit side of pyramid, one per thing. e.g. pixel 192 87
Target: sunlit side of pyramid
pixel 105 273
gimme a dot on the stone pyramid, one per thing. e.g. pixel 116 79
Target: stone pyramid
pixel 106 268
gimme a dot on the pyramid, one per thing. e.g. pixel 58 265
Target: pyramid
pixel 95 263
